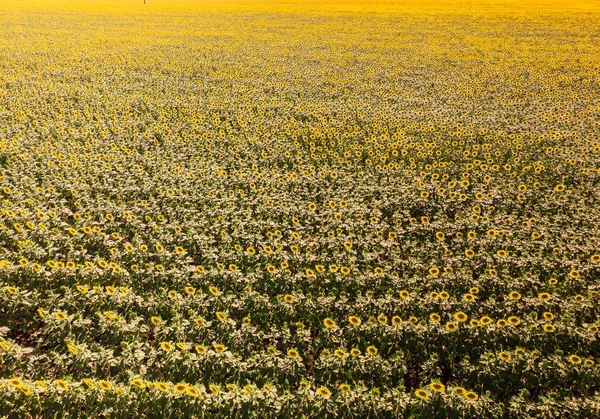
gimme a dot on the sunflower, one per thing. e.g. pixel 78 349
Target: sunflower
pixel 437 387
pixel 355 352
pixel 324 392
pixel 469 297
pixel 544 296
pixel 459 391
pixel 192 391
pixel 396 321
pixel 404 294
pixel 180 388
pixel 354 321
pixel 548 328
pixel 471 396
pixel 89 383
pixel 288 298
pixel 164 387
pixel 138 383
pixel 104 385
pixel 25 389
pixel 451 327
pixel 461 317
pixel 435 317
pixel 340 353
pixel 422 394
pixel 329 323
pixel 574 359
pixel 371 350
pixel 504 356
pixel 485 320
pixel 515 321
pixel 345 388
pixel 62 385
pixel 166 346
pixel 213 389
pixel 292 353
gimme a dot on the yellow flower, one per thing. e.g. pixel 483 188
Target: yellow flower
pixel 288 298
pixel 437 387
pixel 221 316
pixel 190 290
pixel 471 396
pixel 72 349
pixel 180 388
pixel 513 295
pixel 459 391
pixel 60 315
pixel 461 317
pixel 164 387
pixel 324 392
pixel 371 350
pixel 166 346
pixel 574 359
pixel 25 390
pixel 451 326
pixel 329 323
pixel 62 385
pixel 515 321
pixel 104 385
pixel 138 383
pixel 292 353
pixel 14 382
pixel 435 317
pixel 213 389
pixel 504 356
pixel 345 388
pixel 192 391
pixel 422 394
pixel 544 296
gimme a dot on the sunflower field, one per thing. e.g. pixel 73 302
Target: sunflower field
pixel 281 209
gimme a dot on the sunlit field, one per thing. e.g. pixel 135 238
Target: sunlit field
pixel 300 209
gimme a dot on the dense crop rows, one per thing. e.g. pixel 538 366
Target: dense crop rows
pixel 336 209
